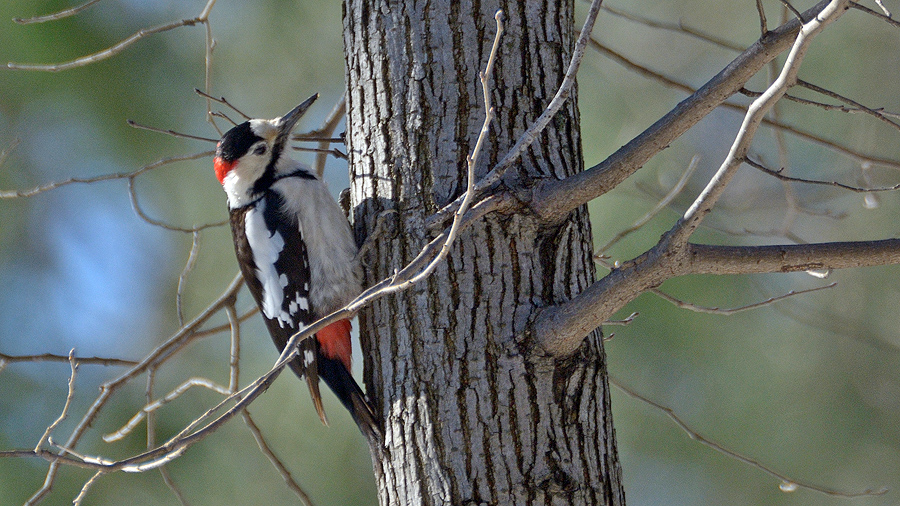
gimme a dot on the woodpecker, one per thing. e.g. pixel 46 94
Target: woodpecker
pixel 295 251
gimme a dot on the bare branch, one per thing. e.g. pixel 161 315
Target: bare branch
pixel 793 10
pixel 235 352
pixel 884 17
pixel 223 101
pixel 711 259
pixel 755 114
pixel 173 133
pixel 624 322
pixel 132 193
pixel 787 483
pixel 782 177
pixel 560 329
pixel 65 411
pixel 331 122
pixel 153 406
pixel 856 106
pixel 11 194
pixel 106 53
pixel 763 24
pixel 773 123
pixel 728 312
pixel 182 278
pixel 276 462
pixel 883 8
pixel 471 161
pixel 680 28
pixel 50 357
pixel 662 204
pixel 87 485
pixel 4 154
pixel 116 48
pixel 56 15
pixel 176 342
pixel 553 199
pixel 151 437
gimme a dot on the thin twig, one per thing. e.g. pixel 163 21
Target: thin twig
pixel 223 101
pixel 136 206
pixel 234 364
pixel 728 312
pixel 65 410
pixel 87 485
pixel 331 122
pixel 786 481
pixel 471 162
pixel 106 53
pixel 56 15
pixel 883 8
pixel 173 133
pixel 630 318
pixel 763 24
pixel 116 48
pixel 337 153
pixel 159 355
pixel 893 22
pixel 50 357
pixel 151 438
pixel 778 175
pixel 778 125
pixel 153 406
pixel 11 194
pixel 4 154
pixel 680 28
pixel 793 10
pixel 855 106
pixel 182 277
pixel 276 462
pixel 662 204
pixel 757 111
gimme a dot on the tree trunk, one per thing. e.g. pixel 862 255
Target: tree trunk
pixel 473 413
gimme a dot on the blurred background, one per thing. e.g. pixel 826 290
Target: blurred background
pixel 809 386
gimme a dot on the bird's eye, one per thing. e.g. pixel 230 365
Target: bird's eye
pixel 260 150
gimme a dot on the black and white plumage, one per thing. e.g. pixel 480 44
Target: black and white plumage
pixel 295 250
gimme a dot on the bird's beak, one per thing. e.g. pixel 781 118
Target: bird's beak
pixel 287 122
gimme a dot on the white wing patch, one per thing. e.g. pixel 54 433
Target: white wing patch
pixel 267 247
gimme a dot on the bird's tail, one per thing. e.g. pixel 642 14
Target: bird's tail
pixel 333 366
pixel 338 378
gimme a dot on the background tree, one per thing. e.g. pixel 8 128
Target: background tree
pixel 805 391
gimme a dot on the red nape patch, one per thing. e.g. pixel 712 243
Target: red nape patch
pixel 223 168
pixel 334 341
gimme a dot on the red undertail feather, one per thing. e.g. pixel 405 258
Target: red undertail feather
pixel 334 342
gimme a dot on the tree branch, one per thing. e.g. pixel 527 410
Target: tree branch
pixel 552 200
pixel 560 329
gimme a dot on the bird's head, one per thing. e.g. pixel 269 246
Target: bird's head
pixel 247 157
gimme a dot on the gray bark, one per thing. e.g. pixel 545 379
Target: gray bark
pixel 472 412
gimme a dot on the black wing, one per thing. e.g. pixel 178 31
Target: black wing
pixel 288 310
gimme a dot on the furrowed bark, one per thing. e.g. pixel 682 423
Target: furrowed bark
pixel 471 415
